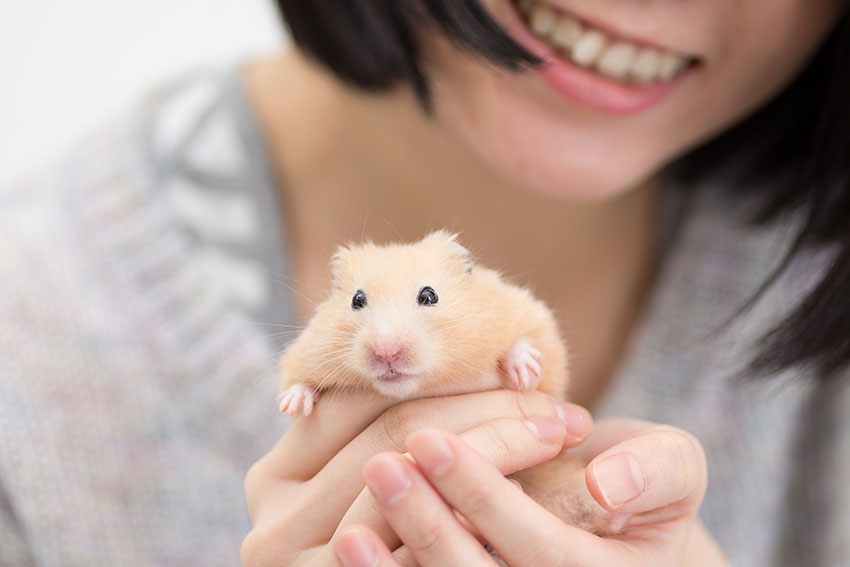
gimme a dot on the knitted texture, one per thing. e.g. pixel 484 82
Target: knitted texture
pixel 136 381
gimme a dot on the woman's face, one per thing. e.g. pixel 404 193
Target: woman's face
pixel 574 132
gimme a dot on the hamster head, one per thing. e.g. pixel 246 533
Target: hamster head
pixel 399 304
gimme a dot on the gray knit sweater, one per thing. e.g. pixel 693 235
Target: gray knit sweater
pixel 142 282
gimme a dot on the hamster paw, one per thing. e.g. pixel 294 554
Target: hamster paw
pixel 521 366
pixel 298 396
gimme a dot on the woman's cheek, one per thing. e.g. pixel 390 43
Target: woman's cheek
pixel 537 140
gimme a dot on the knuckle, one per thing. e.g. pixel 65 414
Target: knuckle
pixel 255 482
pixel 499 450
pixel 404 418
pixel 256 548
pixel 528 404
pixel 681 447
pixel 478 500
pixel 520 404
pixel 396 424
pixel 277 540
pixel 426 539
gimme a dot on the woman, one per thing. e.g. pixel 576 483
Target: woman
pixel 552 172
pixel 136 396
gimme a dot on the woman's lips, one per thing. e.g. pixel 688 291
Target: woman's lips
pixel 590 87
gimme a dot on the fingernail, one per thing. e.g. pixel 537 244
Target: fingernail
pixel 619 479
pixel 354 550
pixel 547 429
pixel 576 419
pixel 387 479
pixel 431 451
pixel 516 483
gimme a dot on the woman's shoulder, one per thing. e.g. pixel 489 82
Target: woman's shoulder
pixel 137 273
pixel 183 165
pixel 152 223
pixel 195 122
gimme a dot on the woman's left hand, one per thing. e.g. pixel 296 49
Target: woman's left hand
pixel 654 476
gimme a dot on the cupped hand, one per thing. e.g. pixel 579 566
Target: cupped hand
pixel 653 477
pixel 309 487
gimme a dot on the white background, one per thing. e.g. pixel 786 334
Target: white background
pixel 66 64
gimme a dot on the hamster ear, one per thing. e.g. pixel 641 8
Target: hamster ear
pixel 338 260
pixel 450 241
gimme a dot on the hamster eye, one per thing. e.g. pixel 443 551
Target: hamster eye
pixel 359 300
pixel 427 296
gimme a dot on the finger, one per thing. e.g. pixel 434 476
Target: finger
pixel 508 444
pixel 335 424
pixel 422 520
pixel 404 557
pixel 607 433
pixel 522 531
pixel 455 413
pixel 313 440
pixel 307 446
pixel 358 546
pixel 662 467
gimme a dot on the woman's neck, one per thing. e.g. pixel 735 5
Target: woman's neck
pixel 352 165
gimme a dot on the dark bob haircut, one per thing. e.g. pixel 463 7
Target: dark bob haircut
pixel 792 156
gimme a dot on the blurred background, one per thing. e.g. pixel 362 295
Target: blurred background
pixel 66 65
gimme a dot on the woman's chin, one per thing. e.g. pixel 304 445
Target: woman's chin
pixel 576 187
pixel 565 178
pixel 567 159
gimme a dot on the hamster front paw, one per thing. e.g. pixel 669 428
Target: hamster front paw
pixel 297 396
pixel 521 366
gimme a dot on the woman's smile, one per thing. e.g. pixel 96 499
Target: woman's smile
pixel 595 65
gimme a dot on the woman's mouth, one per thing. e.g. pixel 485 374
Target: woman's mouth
pixel 596 66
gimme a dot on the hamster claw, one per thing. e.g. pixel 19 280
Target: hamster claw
pixel 284 401
pixel 298 397
pixel 521 366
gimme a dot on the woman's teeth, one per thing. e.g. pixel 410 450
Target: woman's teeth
pixel 592 48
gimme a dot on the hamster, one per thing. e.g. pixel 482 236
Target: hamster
pixel 423 319
pixel 411 320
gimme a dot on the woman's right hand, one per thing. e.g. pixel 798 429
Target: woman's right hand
pixel 311 484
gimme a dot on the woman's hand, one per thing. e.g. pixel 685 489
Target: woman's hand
pixel 310 485
pixel 652 476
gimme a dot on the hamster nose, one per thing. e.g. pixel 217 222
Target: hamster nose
pixel 387 350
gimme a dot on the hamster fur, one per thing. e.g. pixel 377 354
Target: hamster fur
pixel 426 320
pixel 481 333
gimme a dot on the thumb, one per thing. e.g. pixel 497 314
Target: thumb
pixel 646 467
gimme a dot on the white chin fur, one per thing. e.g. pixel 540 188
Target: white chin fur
pixel 401 390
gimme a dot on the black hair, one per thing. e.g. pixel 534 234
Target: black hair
pixel 792 156
pixel 372 43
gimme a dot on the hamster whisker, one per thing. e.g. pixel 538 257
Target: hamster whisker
pixel 299 327
pixel 281 334
pixel 392 226
pixel 278 279
pixel 365 221
pixel 254 383
pixel 336 367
